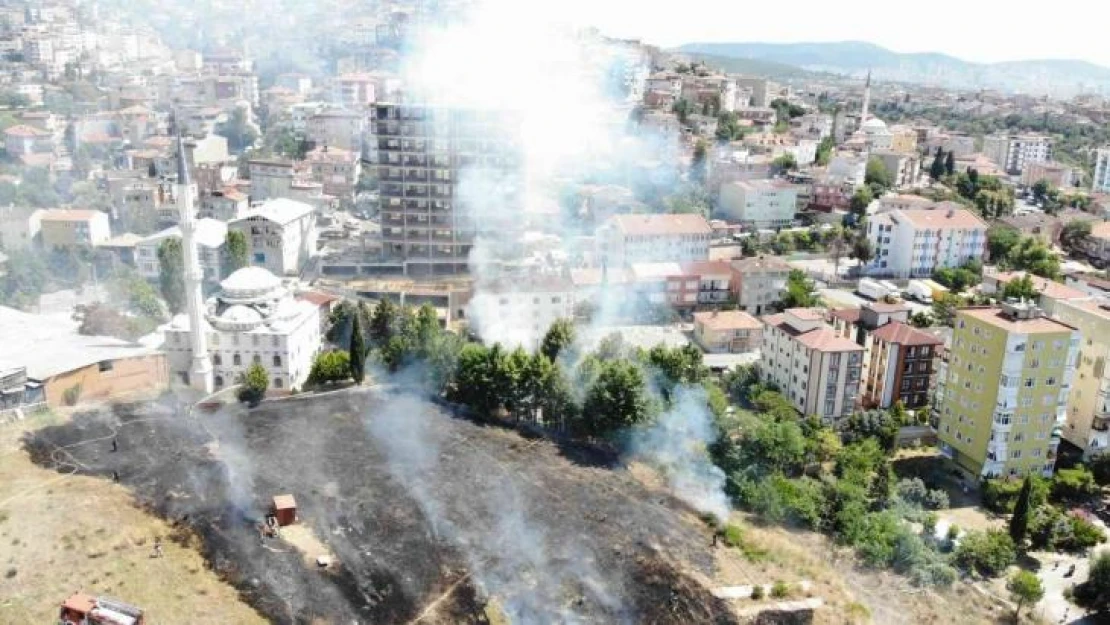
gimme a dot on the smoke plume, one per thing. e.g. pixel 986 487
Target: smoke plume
pixel 676 444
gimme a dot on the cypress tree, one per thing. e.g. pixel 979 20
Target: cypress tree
pixel 357 350
pixel 936 170
pixel 1019 523
pixel 950 163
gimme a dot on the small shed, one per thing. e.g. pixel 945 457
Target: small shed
pixel 285 509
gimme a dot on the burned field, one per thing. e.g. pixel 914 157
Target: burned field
pixel 430 518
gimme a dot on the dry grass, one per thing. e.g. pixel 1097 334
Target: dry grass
pixel 851 595
pixel 62 534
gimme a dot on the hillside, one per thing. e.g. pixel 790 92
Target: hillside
pixel 855 58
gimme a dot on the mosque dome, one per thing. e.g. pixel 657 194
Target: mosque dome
pixel 874 125
pixel 249 282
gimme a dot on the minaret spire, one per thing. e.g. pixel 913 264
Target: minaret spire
pixel 200 371
pixel 866 99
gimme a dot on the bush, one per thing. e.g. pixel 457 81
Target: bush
pixel 987 553
pixel 929 525
pixel 255 383
pixel 779 499
pixel 912 490
pixel 72 395
pixel 1074 484
pixel 780 590
pixel 757 592
pixel 333 366
pixel 732 535
pixel 936 500
pixel 1000 495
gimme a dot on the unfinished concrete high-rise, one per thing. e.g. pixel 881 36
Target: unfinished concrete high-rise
pixel 446 175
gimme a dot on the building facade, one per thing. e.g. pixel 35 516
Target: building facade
pixel 732 331
pixel 1009 373
pixel 763 204
pixel 211 240
pixel 253 320
pixel 1088 420
pixel 914 243
pixel 626 239
pixel 281 235
pixel 1012 153
pixel 73 228
pixel 1100 182
pixel 900 367
pixel 435 165
pixel 758 282
pixel 817 370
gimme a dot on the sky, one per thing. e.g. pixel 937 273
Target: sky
pixel 973 30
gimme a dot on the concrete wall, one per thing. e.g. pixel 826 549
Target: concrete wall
pixel 127 375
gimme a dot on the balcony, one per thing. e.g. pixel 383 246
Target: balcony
pixel 1101 423
pixel 416 192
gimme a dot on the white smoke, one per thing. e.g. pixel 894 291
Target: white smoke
pixel 549 82
pixel 677 444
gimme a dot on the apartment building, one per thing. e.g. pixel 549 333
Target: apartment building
pixel 914 243
pixel 519 312
pixel 354 90
pixel 270 178
pixel 727 331
pixel 434 167
pixel 1100 182
pixel 758 282
pixel 904 167
pixel 1049 292
pixel 763 204
pixel 1013 152
pixel 900 367
pixel 817 370
pixel 337 128
pixel 211 239
pixel 281 235
pixel 1088 420
pixel 71 228
pixel 626 239
pixel 336 169
pixel 1057 174
pixel 1009 373
pixel 714 281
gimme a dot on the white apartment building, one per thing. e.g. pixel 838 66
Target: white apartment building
pixel 817 370
pixel 211 239
pixel 270 178
pixel 281 235
pixel 1013 152
pixel 759 203
pixel 913 243
pixel 254 319
pixel 626 239
pixel 1100 182
pixel 850 168
pixel 519 313
pixel 1088 420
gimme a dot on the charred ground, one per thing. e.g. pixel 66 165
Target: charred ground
pixel 428 514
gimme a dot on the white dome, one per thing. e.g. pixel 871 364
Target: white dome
pixel 240 314
pixel 874 125
pixel 250 281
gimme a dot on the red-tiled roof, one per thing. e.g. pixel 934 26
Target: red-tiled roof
pixel 706 267
pixel 23 130
pixel 662 224
pixel 69 214
pixel 727 320
pixel 850 315
pixel 826 340
pixel 902 334
pixel 940 218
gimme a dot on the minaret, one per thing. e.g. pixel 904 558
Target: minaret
pixel 200 372
pixel 866 100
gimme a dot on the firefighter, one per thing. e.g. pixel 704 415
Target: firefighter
pixel 158 548
pixel 115 444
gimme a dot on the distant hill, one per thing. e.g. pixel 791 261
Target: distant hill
pixel 758 67
pixel 1060 77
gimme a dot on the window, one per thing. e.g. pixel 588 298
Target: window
pixel 104 365
pixel 216 360
pixel 1038 346
pixel 277 360
pixel 274 340
pixel 1019 437
pixel 1015 454
pixel 1050 381
pixel 278 383
pixel 1036 453
pixel 257 359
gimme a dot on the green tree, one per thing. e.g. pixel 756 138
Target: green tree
pixel 1074 235
pixel 862 250
pixel 1020 288
pixel 559 336
pixel 1033 256
pixel 1000 240
pixel 825 150
pixel 24 281
pixel 987 552
pixel 699 166
pixel 254 385
pixel 357 351
pixel 937 169
pixel 881 487
pixel 800 292
pixel 1095 592
pixel 950 163
pixel 1074 485
pixel 861 199
pixel 785 162
pixel 615 400
pixel 333 366
pixel 171 274
pixel 877 174
pixel 1025 588
pixel 238 130
pixel 1019 522
pixel 383 322
pixel 237 253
